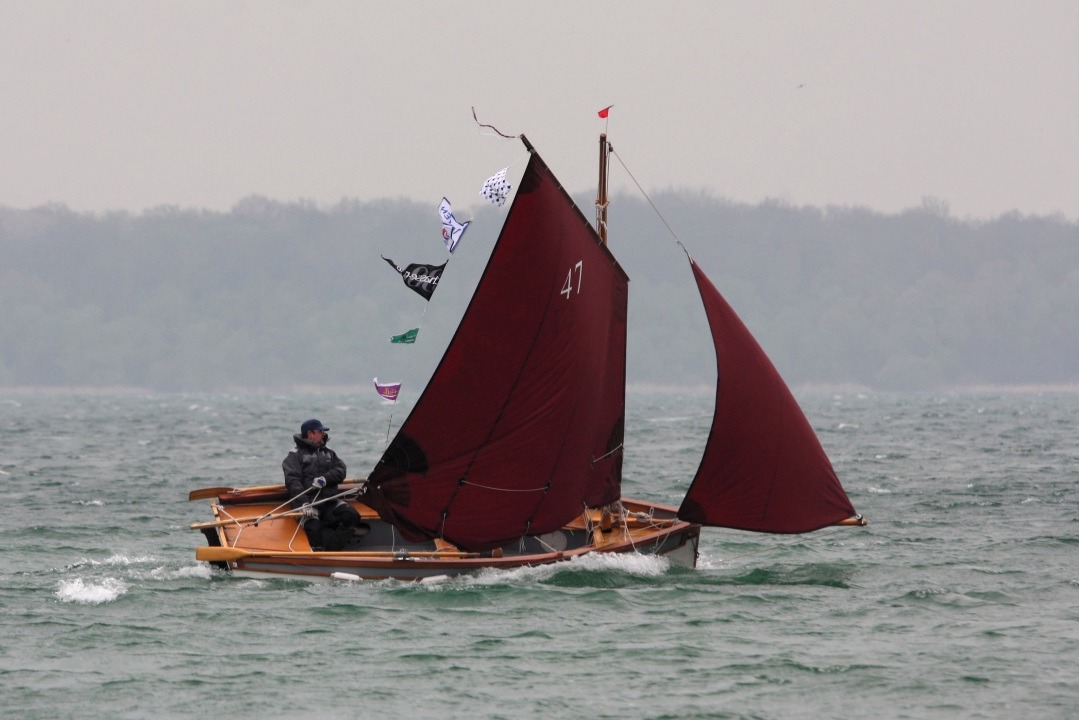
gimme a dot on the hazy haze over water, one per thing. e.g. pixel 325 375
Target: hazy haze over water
pixel 129 105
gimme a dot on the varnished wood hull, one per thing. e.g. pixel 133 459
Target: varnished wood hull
pixel 278 547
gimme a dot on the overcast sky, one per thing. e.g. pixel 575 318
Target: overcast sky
pixel 129 105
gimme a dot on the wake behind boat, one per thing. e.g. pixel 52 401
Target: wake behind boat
pixel 512 455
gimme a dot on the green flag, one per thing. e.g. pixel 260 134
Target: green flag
pixel 408 337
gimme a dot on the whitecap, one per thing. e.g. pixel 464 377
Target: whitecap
pixel 125 560
pixel 201 571
pixel 631 563
pixel 79 502
pixel 879 491
pixel 90 593
pixel 706 562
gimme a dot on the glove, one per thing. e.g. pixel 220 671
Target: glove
pixel 319 482
pixel 309 512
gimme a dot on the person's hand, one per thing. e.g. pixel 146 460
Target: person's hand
pixel 319 482
pixel 309 512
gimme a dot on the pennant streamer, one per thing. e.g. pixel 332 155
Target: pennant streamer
pixel 406 338
pixel 604 112
pixel 387 390
pixel 423 279
pixel 496 188
pixel 451 229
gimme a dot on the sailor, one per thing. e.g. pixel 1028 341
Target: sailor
pixel 312 475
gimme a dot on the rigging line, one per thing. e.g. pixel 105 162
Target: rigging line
pixel 393 405
pixel 542 542
pixel 295 534
pixel 607 455
pixel 498 489
pixel 243 522
pixel 624 517
pixel 445 266
pixel 654 208
pixel 587 519
pixel 246 522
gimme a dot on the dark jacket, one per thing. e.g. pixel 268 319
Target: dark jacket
pixel 306 463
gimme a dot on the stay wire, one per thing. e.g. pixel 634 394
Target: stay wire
pixel 655 209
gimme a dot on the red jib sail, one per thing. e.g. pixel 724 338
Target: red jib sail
pixel 520 427
pixel 763 467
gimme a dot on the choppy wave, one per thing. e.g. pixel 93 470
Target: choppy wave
pixel 624 563
pixel 969 557
pixel 94 592
pixel 202 570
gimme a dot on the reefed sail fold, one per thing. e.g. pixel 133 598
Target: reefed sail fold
pixel 763 467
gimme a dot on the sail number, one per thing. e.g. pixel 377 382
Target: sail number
pixel 568 288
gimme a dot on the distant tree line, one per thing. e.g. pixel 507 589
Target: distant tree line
pixel 273 295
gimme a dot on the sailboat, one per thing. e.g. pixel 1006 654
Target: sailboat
pixel 512 455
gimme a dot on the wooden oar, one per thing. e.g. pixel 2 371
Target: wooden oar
pixel 206 493
pixel 212 492
pixel 231 554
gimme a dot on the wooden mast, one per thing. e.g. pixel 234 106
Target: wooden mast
pixel 601 199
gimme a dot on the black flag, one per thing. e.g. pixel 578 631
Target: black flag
pixel 421 278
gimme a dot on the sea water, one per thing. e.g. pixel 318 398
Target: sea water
pixel 961 598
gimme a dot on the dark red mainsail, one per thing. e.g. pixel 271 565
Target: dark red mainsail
pixel 520 427
pixel 763 467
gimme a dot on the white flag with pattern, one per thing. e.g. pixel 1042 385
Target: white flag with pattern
pixel 496 188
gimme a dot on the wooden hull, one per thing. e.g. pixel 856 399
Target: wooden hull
pixel 278 547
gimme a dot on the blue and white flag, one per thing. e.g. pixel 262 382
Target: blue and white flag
pixel 451 229
pixel 496 188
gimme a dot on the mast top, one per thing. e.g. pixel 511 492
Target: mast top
pixel 601 198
